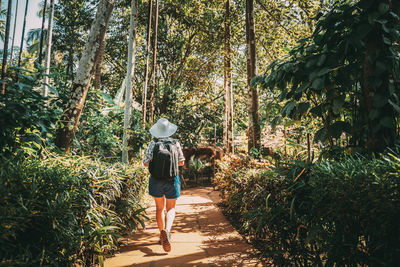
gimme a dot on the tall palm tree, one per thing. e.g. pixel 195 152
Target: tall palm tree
pixel 154 65
pixel 22 37
pixel 48 50
pixel 130 71
pixel 32 40
pixel 15 24
pixel 146 70
pixel 42 32
pixel 1 23
pixel 5 49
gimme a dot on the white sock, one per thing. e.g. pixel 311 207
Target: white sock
pixel 163 217
pixel 170 219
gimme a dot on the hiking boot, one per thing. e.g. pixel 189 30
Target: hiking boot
pixel 165 240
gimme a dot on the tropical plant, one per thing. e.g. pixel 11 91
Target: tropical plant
pixel 345 76
pixel 65 210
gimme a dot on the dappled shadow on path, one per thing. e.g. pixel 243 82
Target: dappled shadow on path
pixel 201 236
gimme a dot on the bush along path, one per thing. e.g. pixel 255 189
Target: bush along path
pixel 201 236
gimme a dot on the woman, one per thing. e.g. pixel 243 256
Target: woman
pixel 164 192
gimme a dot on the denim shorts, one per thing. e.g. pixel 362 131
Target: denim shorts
pixel 169 189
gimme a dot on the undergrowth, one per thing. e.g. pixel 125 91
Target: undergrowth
pixel 332 213
pixel 66 210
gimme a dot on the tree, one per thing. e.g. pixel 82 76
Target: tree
pixel 70 117
pixel 48 50
pixel 42 31
pixel 97 76
pixel 5 49
pixel 252 101
pixel 22 37
pixel 130 71
pixel 15 25
pixel 346 76
pixel 146 72
pixel 73 20
pixel 154 64
pixel 228 94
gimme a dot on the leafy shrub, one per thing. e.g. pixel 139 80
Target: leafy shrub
pixel 26 118
pixel 332 213
pixel 100 132
pixel 66 209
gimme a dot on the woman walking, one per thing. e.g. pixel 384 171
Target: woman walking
pixel 163 156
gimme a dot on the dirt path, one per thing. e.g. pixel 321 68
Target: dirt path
pixel 201 236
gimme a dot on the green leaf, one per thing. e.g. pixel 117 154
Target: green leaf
pixel 292 208
pixel 318 84
pixel 394 15
pixel 107 98
pixel 287 109
pixel 44 128
pixel 303 107
pixel 386 40
pixel 320 135
pixel 53 90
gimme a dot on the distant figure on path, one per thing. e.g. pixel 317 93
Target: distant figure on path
pixel 163 156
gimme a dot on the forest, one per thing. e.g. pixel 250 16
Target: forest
pixel 296 101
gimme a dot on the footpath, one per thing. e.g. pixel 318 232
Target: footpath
pixel 201 236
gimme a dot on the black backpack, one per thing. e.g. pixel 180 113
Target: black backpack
pixel 164 165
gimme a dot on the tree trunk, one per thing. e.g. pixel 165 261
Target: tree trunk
pixel 228 97
pixel 42 32
pixel 48 50
pixel 252 101
pixel 22 38
pixel 226 94
pixel 154 65
pixel 130 71
pixel 146 71
pixel 13 38
pixel 5 48
pixel 70 118
pixel 97 76
pixel 70 66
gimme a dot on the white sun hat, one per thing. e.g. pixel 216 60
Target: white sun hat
pixel 163 128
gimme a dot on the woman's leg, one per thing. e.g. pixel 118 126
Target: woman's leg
pixel 170 213
pixel 160 212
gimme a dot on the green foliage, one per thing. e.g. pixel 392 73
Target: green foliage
pixel 332 213
pixel 345 75
pixel 101 129
pixel 26 118
pixel 64 210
